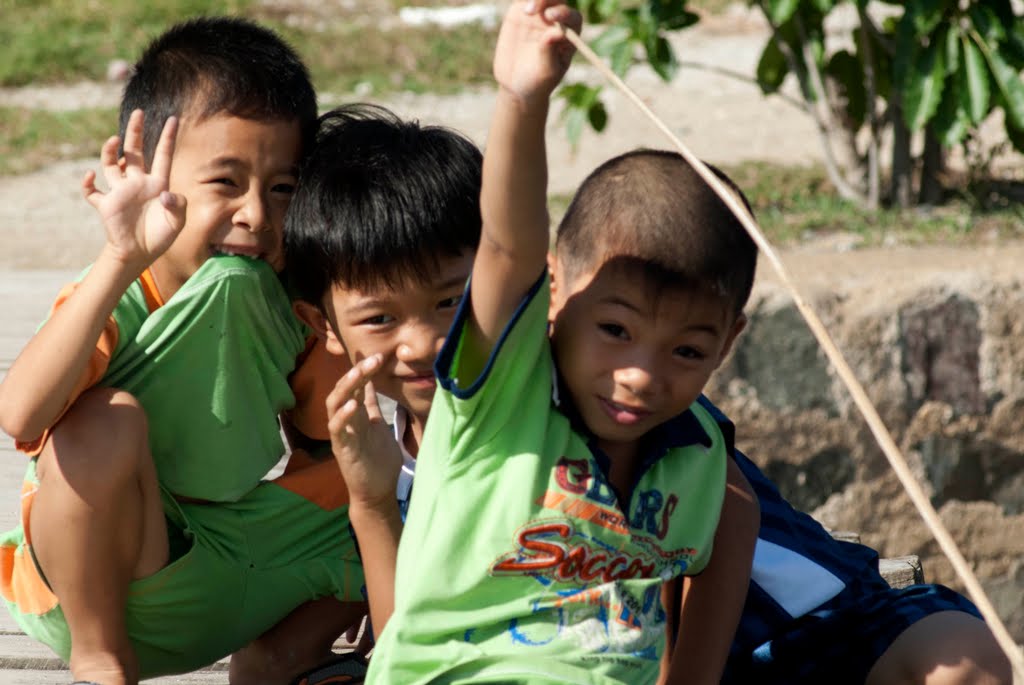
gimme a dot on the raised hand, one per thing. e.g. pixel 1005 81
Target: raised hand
pixel 532 54
pixel 140 216
pixel 363 443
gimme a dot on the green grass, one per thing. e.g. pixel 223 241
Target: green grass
pixel 30 138
pixel 62 41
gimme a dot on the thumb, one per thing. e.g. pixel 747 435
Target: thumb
pixel 174 205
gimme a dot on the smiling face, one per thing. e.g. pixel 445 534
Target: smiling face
pixel 238 176
pixel 407 326
pixel 632 360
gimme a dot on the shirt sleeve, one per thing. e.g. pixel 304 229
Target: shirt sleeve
pixel 513 387
pixel 96 367
pixel 316 373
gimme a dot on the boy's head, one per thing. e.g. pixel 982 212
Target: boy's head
pixel 247 111
pixel 649 279
pixel 380 239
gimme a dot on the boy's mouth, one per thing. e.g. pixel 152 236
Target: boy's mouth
pixel 253 252
pixel 623 414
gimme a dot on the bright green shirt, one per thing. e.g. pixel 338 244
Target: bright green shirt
pixel 211 368
pixel 518 562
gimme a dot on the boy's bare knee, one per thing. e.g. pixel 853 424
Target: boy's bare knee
pixel 946 648
pixel 99 444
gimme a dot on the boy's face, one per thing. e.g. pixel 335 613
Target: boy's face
pixel 238 176
pixel 632 360
pixel 406 325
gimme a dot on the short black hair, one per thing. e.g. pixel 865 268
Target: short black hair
pixel 652 206
pixel 379 201
pixel 209 65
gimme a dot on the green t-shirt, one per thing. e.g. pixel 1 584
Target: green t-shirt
pixel 211 368
pixel 518 563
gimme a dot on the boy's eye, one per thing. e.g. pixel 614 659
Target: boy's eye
pixel 377 320
pixel 284 188
pixel 224 182
pixel 687 352
pixel 614 330
pixel 450 302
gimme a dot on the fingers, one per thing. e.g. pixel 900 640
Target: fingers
pixel 370 402
pixel 165 149
pixel 174 209
pixel 89 190
pixel 108 160
pixel 133 141
pixel 564 15
pixel 349 387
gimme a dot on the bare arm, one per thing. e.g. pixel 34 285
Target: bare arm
pixel 39 384
pixel 713 600
pixel 530 59
pixel 369 458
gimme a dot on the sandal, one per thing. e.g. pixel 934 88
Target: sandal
pixel 344 668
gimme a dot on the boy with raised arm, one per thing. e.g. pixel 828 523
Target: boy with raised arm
pixel 552 505
pixel 149 399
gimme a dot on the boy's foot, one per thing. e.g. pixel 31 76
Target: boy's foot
pixel 345 668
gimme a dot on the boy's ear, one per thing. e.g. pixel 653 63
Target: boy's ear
pixel 314 317
pixel 552 268
pixel 737 328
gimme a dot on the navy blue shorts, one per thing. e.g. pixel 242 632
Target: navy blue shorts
pixel 840 642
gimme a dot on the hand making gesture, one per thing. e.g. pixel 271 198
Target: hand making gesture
pixel 141 217
pixel 363 443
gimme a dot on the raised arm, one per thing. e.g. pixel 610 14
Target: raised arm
pixel 141 219
pixel 530 59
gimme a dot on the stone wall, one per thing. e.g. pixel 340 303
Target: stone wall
pixel 939 347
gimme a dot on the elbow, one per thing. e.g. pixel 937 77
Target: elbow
pixel 15 421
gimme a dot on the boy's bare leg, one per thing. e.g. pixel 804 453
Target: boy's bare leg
pixel 946 648
pixel 97 523
pixel 300 642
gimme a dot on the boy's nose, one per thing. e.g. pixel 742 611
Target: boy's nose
pixel 417 344
pixel 253 214
pixel 639 379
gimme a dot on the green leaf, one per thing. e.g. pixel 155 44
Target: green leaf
pixel 986 23
pixel 952 37
pixel 661 57
pixel 973 82
pixel 906 49
pixel 951 122
pixel 622 58
pixel 574 119
pixel 1016 136
pixel 610 39
pixel 771 68
pixel 597 115
pixel 1009 84
pixel 781 11
pixel 848 74
pixel 926 15
pixel 824 6
pixel 923 90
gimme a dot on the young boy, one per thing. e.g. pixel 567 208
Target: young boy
pixel 555 506
pixel 381 236
pixel 149 399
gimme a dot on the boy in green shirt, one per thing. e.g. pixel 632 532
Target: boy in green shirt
pixel 149 400
pixel 550 509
